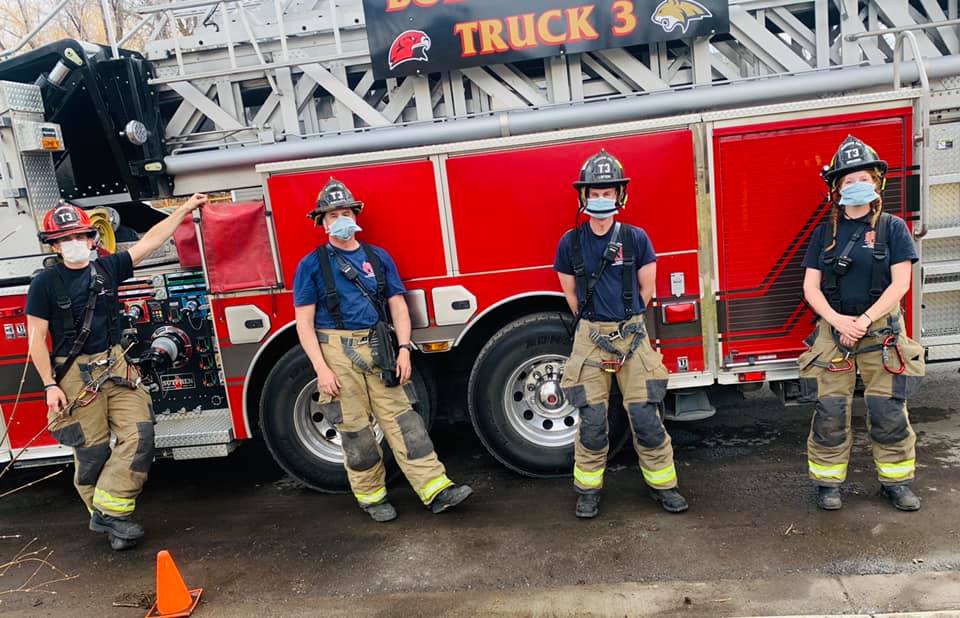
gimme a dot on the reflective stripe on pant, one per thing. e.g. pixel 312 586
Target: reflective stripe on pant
pixel 108 480
pixel 643 383
pixel 888 422
pixel 363 399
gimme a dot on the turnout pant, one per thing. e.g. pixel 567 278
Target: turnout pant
pixel 643 382
pixel 826 379
pixel 107 479
pixel 363 400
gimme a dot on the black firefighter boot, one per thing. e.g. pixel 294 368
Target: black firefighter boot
pixel 381 511
pixel 121 528
pixel 118 544
pixel 902 497
pixel 588 505
pixel 828 497
pixel 450 497
pixel 670 499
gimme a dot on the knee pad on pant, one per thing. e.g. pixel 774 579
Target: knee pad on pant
pixel 647 426
pixel 656 390
pixel 70 435
pixel 830 421
pixel 414 433
pixel 90 461
pixel 888 419
pixel 575 395
pixel 593 427
pixel 360 449
pixel 143 457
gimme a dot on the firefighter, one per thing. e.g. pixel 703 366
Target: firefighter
pixel 858 267
pixel 91 392
pixel 345 293
pixel 607 271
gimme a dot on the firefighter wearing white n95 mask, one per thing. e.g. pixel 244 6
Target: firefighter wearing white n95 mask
pixel 91 391
pixel 345 294
pixel 607 271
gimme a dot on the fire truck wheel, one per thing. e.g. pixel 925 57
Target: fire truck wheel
pixel 517 408
pixel 301 440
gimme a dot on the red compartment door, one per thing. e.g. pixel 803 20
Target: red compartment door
pixel 770 198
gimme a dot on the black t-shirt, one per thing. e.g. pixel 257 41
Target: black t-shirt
pixel 42 300
pixel 607 303
pixel 855 285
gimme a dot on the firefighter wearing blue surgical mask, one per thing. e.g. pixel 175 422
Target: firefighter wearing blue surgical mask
pixel 607 270
pixel 345 293
pixel 858 267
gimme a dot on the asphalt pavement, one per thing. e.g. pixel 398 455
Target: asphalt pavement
pixel 753 541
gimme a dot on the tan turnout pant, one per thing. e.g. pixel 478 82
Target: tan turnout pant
pixel 107 479
pixel 885 394
pixel 643 382
pixel 364 399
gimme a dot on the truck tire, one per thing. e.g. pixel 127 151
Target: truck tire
pixel 516 405
pixel 301 441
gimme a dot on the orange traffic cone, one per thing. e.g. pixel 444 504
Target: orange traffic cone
pixel 173 598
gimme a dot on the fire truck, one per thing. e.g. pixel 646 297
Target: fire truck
pixel 466 177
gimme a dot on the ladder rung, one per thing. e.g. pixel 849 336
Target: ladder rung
pixel 940 340
pixel 942 232
pixel 941 269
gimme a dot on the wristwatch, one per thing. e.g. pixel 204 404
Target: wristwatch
pixel 409 346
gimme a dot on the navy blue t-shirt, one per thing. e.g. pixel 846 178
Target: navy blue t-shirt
pixel 607 302
pixel 42 301
pixel 855 285
pixel 357 312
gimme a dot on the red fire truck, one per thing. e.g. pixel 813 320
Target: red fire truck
pixel 728 197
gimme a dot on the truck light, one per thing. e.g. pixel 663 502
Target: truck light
pixel 679 313
pixel 435 346
pixel 752 376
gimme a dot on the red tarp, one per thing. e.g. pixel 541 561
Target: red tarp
pixel 236 245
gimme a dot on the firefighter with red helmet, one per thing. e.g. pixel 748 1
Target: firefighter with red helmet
pixel 607 271
pixel 345 294
pixel 91 392
pixel 858 268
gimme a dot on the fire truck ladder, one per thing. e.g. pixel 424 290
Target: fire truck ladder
pixel 242 82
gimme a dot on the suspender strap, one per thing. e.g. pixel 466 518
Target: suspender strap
pixel 64 308
pixel 613 249
pixel 113 306
pixel 377 266
pixel 97 283
pixel 331 298
pixel 881 277
pixel 830 284
pixel 354 277
pixel 579 270
pixel 629 273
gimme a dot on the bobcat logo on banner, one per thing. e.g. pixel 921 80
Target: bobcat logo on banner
pixel 671 14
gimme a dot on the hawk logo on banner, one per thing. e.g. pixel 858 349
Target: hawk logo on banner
pixel 409 45
pixel 671 14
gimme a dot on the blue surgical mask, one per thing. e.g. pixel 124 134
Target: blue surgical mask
pixel 601 207
pixel 858 194
pixel 344 228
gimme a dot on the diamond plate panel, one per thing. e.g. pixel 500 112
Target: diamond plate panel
pixel 943 206
pixel 203 452
pixel 940 315
pixel 943 352
pixel 193 428
pixel 41 179
pixel 943 155
pixel 941 249
pixel 20 97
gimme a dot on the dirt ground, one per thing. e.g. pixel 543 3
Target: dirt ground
pixel 261 545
